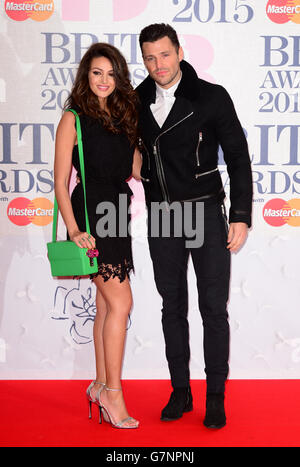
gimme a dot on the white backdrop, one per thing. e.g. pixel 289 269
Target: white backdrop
pixel 45 323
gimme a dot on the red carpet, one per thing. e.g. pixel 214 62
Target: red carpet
pixel 260 413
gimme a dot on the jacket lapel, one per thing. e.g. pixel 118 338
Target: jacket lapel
pixel 149 122
pixel 180 110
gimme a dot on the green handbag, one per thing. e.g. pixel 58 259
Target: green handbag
pixel 66 258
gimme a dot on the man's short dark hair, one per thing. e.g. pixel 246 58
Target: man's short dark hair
pixel 157 31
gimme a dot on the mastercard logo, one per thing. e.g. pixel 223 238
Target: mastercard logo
pixel 22 211
pixel 278 212
pixel 20 10
pixel 282 11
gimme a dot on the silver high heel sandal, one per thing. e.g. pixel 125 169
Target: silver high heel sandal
pixel 108 417
pixel 90 398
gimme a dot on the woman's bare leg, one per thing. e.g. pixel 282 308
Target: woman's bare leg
pixel 98 337
pixel 101 311
pixel 118 300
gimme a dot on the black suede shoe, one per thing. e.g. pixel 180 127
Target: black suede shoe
pixel 180 401
pixel 215 412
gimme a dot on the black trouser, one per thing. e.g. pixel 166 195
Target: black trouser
pixel 212 268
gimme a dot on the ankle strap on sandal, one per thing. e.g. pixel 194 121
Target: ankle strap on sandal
pixel 111 389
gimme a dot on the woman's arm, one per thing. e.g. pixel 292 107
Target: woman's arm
pixel 64 143
pixel 137 164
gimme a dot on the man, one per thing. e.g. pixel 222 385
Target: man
pixel 183 120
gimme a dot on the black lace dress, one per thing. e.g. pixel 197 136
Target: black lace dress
pixel 108 161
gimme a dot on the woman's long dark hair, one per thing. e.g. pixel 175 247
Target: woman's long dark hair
pixel 121 103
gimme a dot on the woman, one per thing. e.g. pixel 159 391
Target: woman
pixel 106 103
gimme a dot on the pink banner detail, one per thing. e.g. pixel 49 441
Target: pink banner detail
pixel 200 54
pixel 75 10
pixel 138 199
pixel 123 10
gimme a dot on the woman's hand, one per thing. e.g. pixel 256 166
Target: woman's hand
pixel 83 239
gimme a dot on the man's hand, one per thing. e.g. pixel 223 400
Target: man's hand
pixel 237 235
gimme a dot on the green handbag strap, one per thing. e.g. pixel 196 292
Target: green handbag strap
pixel 81 161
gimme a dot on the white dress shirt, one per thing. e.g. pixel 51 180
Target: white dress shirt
pixel 164 102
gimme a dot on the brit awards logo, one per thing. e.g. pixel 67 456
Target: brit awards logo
pixel 282 11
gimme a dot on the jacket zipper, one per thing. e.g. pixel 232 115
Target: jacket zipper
pixel 206 173
pixel 200 138
pixel 161 175
pixel 225 217
pixel 158 161
pixel 197 150
pixel 145 147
